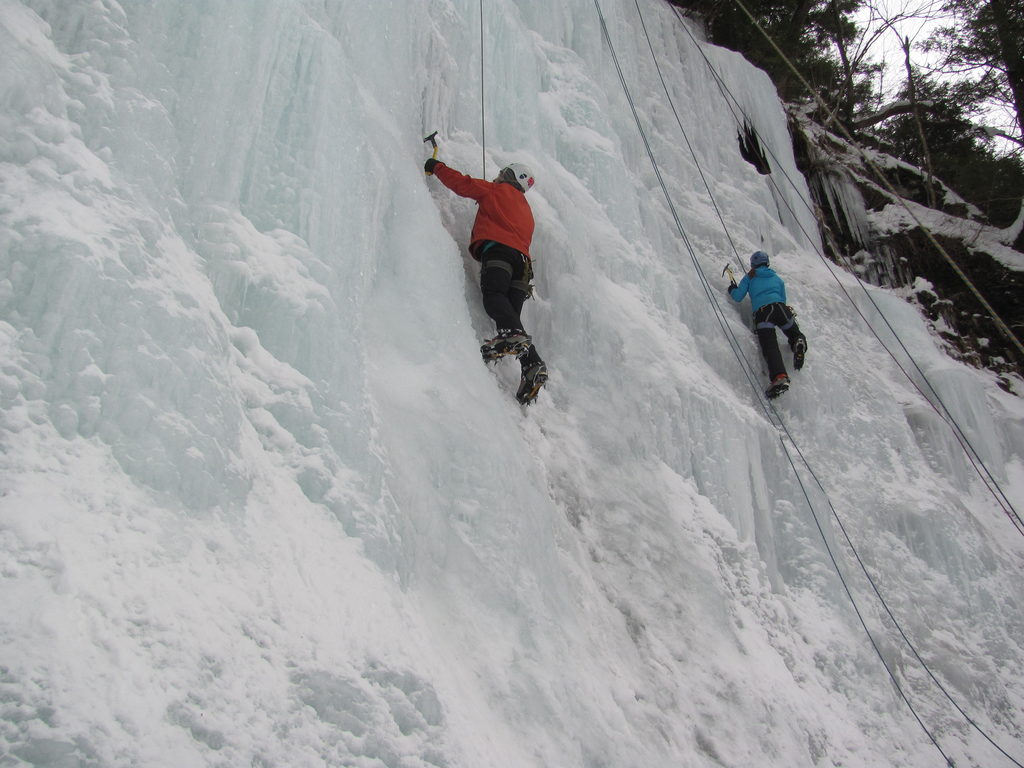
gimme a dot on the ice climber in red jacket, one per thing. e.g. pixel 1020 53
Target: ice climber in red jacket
pixel 500 241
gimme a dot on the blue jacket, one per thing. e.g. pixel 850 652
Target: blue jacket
pixel 766 287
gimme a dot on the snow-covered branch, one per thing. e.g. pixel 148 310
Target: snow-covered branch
pixel 902 107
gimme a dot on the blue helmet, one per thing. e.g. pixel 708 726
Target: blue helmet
pixel 758 259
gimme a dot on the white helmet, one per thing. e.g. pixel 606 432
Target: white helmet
pixel 518 174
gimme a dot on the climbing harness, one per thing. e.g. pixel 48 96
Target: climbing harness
pixel 526 284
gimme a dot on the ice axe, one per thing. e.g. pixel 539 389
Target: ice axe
pixel 432 138
pixel 728 271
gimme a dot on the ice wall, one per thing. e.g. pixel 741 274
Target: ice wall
pixel 263 504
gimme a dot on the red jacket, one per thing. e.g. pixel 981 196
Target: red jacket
pixel 504 214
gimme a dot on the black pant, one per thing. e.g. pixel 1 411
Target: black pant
pixel 504 283
pixel 766 319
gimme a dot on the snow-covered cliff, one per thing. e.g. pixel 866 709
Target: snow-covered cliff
pixel 262 504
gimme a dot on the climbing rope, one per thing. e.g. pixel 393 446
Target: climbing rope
pixel 935 400
pixel 483 126
pixel 835 513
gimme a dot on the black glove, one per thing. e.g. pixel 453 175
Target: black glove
pixel 732 285
pixel 428 167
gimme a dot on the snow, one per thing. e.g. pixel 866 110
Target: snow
pixel 262 504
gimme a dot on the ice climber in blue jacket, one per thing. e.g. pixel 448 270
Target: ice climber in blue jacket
pixel 768 302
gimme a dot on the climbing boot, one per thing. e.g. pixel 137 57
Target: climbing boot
pixel 515 343
pixel 779 385
pixel 799 350
pixel 533 379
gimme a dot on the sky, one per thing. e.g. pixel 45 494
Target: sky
pixel 886 24
pixel 261 502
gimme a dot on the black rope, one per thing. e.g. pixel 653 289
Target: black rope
pixel 835 513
